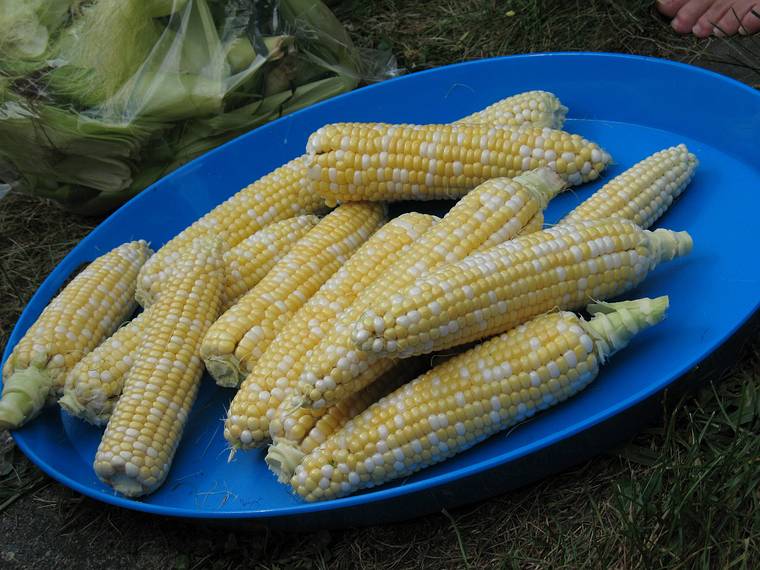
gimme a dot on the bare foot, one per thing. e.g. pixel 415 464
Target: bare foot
pixel 712 17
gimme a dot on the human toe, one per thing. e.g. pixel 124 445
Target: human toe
pixel 670 8
pixel 709 22
pixel 730 23
pixel 751 22
pixel 689 14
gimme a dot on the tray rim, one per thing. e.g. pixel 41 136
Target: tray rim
pixel 378 494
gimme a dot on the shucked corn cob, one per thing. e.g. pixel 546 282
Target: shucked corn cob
pixel 531 108
pixel 240 336
pixel 493 291
pixel 378 161
pixel 643 192
pixel 495 212
pixel 472 396
pixel 286 191
pixel 275 373
pixel 95 383
pixel 142 435
pixel 297 431
pixel 249 261
pixel 76 321
pixel 281 194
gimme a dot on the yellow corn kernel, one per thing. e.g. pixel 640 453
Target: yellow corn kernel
pixel 495 212
pixel 495 290
pixel 95 383
pixel 142 435
pixel 242 334
pixel 276 371
pixel 87 311
pixel 378 161
pixel 297 431
pixel 470 397
pixel 531 108
pixel 643 192
pixel 249 261
pixel 281 194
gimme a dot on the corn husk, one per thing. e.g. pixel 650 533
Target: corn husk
pixel 101 98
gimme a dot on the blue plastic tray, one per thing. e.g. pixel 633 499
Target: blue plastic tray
pixel 633 106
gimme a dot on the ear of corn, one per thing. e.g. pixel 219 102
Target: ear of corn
pixel 297 431
pixel 249 261
pixel 87 310
pixel 235 342
pixel 466 399
pixel 531 108
pixel 95 383
pixel 286 191
pixel 377 161
pixel 145 428
pixel 275 373
pixel 643 192
pixel 494 212
pixel 281 194
pixel 493 291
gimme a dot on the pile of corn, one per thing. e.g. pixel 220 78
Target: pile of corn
pixel 318 319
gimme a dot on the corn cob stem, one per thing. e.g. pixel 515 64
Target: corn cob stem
pixel 470 397
pixel 24 395
pixel 495 290
pixel 615 324
pixel 85 312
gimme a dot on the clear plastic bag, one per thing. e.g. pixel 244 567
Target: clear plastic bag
pixel 100 98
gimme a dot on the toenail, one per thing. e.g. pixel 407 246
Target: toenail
pixel 717 32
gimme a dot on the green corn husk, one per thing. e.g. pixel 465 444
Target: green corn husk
pixel 101 98
pixel 101 50
pixel 161 8
pixel 26 31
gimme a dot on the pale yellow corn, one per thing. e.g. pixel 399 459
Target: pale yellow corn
pixel 95 383
pixel 297 431
pixel 240 336
pixel 470 397
pixel 249 261
pixel 378 161
pixel 281 194
pixel 493 291
pixel 275 373
pixel 531 108
pixel 145 428
pixel 643 192
pixel 286 191
pixel 496 211
pixel 87 311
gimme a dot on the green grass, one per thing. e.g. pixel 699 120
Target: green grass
pixel 683 493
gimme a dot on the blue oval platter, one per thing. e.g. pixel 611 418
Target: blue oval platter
pixel 632 106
